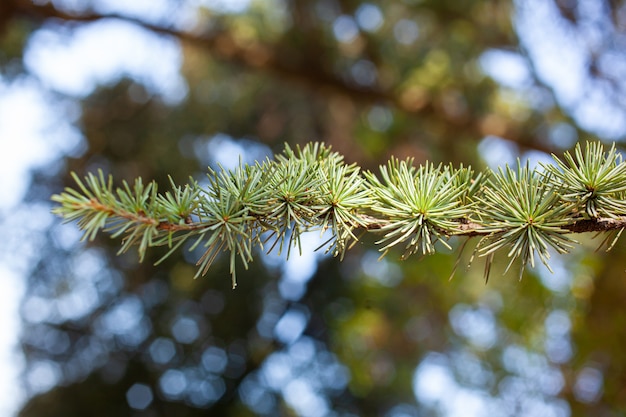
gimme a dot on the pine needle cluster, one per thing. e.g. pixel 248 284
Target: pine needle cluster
pixel 522 212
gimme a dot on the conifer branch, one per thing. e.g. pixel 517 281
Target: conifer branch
pixel 522 212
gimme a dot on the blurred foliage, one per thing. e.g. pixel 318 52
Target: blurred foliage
pixel 104 335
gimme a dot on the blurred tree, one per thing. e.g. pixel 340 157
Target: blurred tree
pixel 449 81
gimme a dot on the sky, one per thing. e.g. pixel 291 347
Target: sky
pixel 30 133
pixel 36 130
